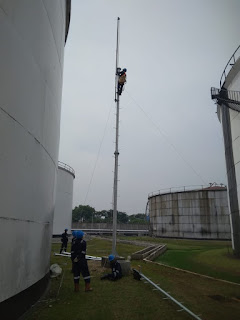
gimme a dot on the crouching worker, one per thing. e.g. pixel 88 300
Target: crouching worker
pixel 79 261
pixel 116 269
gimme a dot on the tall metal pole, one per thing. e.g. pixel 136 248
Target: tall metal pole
pixel 116 153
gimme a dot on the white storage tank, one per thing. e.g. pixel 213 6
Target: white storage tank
pixel 64 196
pixel 32 37
pixel 201 213
pixel 228 102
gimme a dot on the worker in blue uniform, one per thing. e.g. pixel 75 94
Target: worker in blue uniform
pixel 74 238
pixel 80 266
pixel 121 79
pixel 64 240
pixel 116 269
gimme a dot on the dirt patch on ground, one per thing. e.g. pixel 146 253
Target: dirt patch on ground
pixel 96 268
pixel 220 298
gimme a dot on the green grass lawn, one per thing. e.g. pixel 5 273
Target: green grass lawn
pixel 132 299
pixel 211 258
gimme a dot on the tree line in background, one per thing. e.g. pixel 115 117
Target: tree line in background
pixel 88 214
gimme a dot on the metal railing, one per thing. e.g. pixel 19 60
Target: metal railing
pixel 66 167
pixel 229 65
pixel 229 96
pixel 185 188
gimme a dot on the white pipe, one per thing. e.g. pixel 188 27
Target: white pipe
pixel 168 295
pixel 68 255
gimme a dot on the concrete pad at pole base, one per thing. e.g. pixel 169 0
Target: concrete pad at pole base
pixel 125 265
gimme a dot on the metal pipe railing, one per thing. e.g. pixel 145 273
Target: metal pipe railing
pixel 66 167
pixel 230 96
pixel 229 65
pixel 184 189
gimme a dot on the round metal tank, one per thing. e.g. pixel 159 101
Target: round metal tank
pixel 32 34
pixel 198 214
pixel 64 196
pixel 229 116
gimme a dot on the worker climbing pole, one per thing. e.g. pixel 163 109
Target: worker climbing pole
pixel 121 80
pixel 119 84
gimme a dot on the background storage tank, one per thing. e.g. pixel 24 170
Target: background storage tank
pixel 228 102
pixel 200 214
pixel 32 37
pixel 64 196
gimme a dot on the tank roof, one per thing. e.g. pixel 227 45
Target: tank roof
pixel 211 187
pixel 66 167
pixel 215 188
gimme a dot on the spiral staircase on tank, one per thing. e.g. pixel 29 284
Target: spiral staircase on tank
pixel 222 96
pixel 229 98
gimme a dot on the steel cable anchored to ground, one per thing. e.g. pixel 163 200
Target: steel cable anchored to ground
pixel 166 138
pixel 138 275
pixel 98 154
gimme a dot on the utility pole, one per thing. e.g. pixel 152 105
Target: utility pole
pixel 116 153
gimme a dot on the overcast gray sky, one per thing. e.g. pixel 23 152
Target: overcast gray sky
pixel 170 136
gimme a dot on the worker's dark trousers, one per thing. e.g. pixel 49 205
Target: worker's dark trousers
pixel 64 246
pixel 110 276
pixel 81 267
pixel 120 87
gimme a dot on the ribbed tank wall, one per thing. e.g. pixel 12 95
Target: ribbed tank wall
pixel 32 37
pixel 63 207
pixel 196 214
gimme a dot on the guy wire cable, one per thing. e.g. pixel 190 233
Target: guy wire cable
pixel 166 138
pixel 99 149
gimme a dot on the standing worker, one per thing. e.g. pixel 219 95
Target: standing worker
pixel 64 240
pixel 80 265
pixel 116 269
pixel 121 80
pixel 74 238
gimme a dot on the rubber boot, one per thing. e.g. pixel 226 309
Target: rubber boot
pixel 87 287
pixel 76 287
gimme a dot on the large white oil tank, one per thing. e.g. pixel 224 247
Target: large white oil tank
pixel 64 196
pixel 32 37
pixel 228 102
pixel 197 213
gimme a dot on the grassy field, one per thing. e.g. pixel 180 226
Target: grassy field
pixel 132 299
pixel 211 258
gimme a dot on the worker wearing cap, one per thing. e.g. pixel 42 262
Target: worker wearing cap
pixel 80 266
pixel 121 80
pixel 64 240
pixel 116 269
